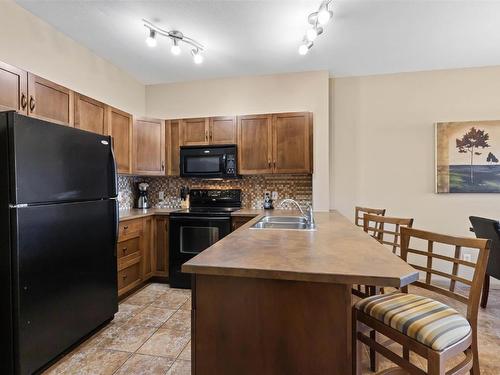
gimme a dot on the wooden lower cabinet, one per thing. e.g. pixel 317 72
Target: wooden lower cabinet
pixel 129 252
pixel 162 250
pixel 142 251
pixel 148 248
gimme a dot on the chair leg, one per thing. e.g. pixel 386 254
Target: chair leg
pixel 373 353
pixel 435 365
pixel 475 354
pixel 486 291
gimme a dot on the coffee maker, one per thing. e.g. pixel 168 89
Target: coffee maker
pixel 143 201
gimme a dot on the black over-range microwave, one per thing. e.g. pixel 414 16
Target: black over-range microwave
pixel 209 161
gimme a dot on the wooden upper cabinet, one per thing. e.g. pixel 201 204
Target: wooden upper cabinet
pixel 195 131
pixel 13 88
pixel 255 144
pixel 223 130
pixel 149 147
pixel 173 143
pixel 120 129
pixel 49 101
pixel 292 142
pixel 90 115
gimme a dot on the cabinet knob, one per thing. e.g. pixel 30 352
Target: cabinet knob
pixel 162 165
pixel 206 135
pixel 124 249
pixel 125 227
pixel 24 101
pixel 125 276
pixel 32 103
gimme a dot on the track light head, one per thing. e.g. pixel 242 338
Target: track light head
pixel 197 56
pixel 175 49
pixel 324 15
pixel 151 39
pixel 305 47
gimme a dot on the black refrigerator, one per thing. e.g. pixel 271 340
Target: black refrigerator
pixel 58 233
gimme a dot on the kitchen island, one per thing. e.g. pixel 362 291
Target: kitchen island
pixel 273 301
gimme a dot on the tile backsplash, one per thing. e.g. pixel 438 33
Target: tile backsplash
pixel 298 187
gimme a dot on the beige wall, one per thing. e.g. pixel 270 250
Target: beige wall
pixel 383 143
pixel 258 94
pixel 31 44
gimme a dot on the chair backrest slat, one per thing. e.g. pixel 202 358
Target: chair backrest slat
pixel 360 211
pixel 375 225
pixel 471 295
pixel 458 255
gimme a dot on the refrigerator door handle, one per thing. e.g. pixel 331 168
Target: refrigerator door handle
pixel 117 223
pixel 113 168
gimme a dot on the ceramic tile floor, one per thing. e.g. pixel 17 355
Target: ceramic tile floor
pixel 151 335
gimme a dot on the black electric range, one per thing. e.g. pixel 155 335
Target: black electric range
pixel 197 228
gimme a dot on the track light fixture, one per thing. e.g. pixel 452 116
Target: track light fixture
pixel 176 37
pixel 317 20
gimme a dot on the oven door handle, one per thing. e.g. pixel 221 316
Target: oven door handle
pixel 200 218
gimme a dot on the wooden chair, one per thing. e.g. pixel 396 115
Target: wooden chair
pixel 489 229
pixel 380 228
pixel 425 326
pixel 359 213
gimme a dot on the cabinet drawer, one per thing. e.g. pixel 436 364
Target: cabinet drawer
pixel 129 275
pixel 128 247
pixel 130 227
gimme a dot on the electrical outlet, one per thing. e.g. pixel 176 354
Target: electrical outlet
pixel 274 196
pixel 161 195
pixel 467 257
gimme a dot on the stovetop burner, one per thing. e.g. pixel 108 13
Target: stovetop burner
pixel 212 202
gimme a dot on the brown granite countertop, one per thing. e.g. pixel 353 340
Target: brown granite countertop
pixel 137 213
pixel 337 252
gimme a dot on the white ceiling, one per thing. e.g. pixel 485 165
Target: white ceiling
pixel 262 37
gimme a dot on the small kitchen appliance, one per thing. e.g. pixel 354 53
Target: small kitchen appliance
pixel 206 221
pixel 143 201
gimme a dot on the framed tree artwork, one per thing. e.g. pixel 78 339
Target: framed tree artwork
pixel 467 157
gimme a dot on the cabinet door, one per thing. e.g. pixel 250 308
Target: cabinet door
pixel 120 128
pixel 90 115
pixel 223 130
pixel 148 253
pixel 291 143
pixel 49 101
pixel 195 131
pixel 254 144
pixel 161 263
pixel 13 88
pixel 173 132
pixel 149 147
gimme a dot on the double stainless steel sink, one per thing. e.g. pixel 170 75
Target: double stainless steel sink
pixel 283 222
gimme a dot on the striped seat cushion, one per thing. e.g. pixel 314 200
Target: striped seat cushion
pixel 429 322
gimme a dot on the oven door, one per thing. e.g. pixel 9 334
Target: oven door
pixel 208 163
pixel 189 236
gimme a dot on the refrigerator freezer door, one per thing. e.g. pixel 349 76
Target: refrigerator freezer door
pixel 55 163
pixel 65 284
